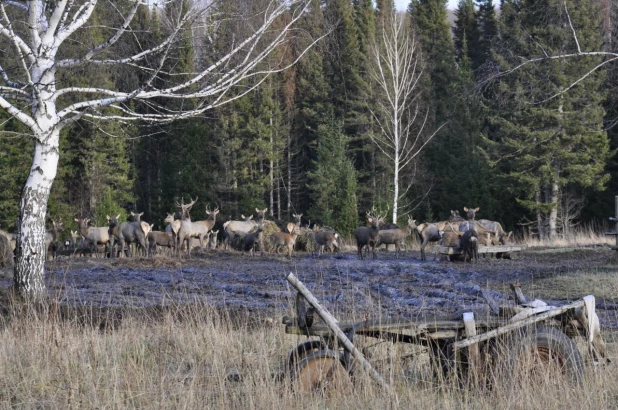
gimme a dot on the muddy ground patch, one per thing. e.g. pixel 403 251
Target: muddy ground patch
pixel 351 287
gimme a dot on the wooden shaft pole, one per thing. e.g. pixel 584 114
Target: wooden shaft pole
pixel 331 322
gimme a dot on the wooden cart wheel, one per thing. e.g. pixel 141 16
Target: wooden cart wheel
pixel 301 351
pixel 322 372
pixel 541 354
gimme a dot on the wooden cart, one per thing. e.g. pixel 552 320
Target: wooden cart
pixel 461 346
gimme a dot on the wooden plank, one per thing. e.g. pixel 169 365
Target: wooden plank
pixel 451 250
pixel 333 325
pixel 412 327
pixel 517 325
pixel 473 349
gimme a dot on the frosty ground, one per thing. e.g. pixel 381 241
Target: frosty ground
pixel 354 288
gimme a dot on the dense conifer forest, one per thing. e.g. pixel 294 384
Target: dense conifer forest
pixel 533 148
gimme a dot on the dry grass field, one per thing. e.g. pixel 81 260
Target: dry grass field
pixel 86 355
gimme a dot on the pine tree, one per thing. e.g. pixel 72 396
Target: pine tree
pixel 543 138
pixel 368 163
pixel 465 32
pixel 311 100
pixel 487 29
pixel 333 182
pixel 441 83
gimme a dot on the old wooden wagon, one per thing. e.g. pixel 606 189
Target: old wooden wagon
pixel 462 346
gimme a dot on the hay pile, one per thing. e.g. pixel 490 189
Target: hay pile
pixel 270 227
pixel 305 241
pixel 6 253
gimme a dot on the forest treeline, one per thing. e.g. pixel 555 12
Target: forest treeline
pixel 528 148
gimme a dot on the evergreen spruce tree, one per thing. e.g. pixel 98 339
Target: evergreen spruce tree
pixel 541 137
pixel 465 33
pixel 441 83
pixel 487 29
pixel 368 163
pixel 311 99
pixel 333 182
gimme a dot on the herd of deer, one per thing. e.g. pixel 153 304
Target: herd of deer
pixel 466 234
pixel 120 238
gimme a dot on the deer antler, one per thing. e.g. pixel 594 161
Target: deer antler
pixel 193 201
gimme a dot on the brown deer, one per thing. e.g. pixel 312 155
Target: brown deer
pixel 94 236
pixel 469 244
pixel 127 234
pixel 158 239
pixel 428 232
pixel 486 236
pixel 396 236
pixel 325 239
pixel 368 236
pixel 251 239
pixel 281 239
pixel 51 239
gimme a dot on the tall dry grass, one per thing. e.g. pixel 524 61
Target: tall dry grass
pixel 584 235
pixel 199 357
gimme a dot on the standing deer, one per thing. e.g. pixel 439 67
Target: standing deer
pixel 51 239
pixel 173 226
pixel 94 236
pixel 325 239
pixel 368 236
pixel 127 234
pixel 158 239
pixel 189 229
pixel 239 229
pixel 281 239
pixel 396 236
pixel 201 229
pixel 469 244
pixel 428 232
pixel 251 239
pixel 486 236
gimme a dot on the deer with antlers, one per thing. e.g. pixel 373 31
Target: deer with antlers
pixel 198 229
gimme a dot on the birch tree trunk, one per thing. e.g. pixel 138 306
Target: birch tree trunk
pixel 539 215
pixel 553 214
pixel 28 276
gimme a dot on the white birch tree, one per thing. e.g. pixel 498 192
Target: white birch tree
pixel 397 71
pixel 39 34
